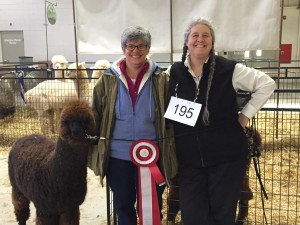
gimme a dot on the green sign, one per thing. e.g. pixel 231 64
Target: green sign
pixel 51 14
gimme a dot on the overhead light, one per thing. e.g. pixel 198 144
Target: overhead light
pixel 247 54
pixel 258 52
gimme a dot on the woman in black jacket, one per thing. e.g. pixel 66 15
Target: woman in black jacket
pixel 212 150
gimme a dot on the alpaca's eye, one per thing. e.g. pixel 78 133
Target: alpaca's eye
pixel 66 122
pixel 87 121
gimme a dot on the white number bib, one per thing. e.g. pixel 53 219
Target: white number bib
pixel 183 111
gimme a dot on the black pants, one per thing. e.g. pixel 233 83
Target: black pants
pixel 209 195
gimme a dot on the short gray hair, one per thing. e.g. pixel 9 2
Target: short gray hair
pixel 135 33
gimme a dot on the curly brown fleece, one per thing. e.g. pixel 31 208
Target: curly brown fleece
pixel 53 174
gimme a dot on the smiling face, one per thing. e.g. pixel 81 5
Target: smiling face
pixel 137 56
pixel 200 41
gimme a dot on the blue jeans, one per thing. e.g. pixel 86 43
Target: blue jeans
pixel 122 177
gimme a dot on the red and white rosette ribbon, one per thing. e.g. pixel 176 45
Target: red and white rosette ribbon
pixel 144 153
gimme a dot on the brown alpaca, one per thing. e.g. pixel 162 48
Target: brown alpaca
pixel 245 195
pixel 173 200
pixel 53 174
pixel 254 140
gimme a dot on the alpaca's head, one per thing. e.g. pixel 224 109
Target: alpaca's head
pixel 99 68
pixel 59 62
pixel 254 141
pixel 58 66
pixel 76 70
pixel 101 64
pixel 255 135
pixel 76 122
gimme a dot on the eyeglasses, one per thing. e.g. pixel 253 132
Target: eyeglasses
pixel 139 47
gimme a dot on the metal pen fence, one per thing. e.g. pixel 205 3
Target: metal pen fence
pixel 278 123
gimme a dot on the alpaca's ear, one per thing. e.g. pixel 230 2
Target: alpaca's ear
pixel 81 65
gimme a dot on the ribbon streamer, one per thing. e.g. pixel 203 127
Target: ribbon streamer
pixel 144 153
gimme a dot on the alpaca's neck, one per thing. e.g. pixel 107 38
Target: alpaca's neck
pixel 59 74
pixel 82 86
pixel 70 156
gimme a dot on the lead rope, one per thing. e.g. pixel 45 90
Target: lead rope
pixel 255 154
pixel 197 91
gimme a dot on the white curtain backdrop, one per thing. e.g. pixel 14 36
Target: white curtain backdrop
pixel 239 24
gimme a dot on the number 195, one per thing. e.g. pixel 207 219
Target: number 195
pixel 184 111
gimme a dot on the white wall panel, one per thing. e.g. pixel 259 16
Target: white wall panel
pixel 28 15
pixel 101 23
pixel 239 24
pixel 290 30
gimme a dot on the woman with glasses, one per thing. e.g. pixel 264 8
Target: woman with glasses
pixel 129 101
pixel 212 152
